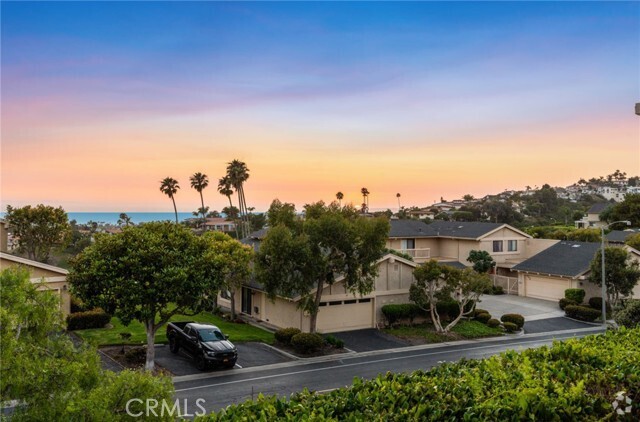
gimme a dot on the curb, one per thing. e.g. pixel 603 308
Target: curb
pixel 331 358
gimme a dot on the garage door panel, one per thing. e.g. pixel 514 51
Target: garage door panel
pixel 345 316
pixel 546 288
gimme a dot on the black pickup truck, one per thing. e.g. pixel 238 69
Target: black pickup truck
pixel 205 343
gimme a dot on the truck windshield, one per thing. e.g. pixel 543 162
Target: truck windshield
pixel 211 335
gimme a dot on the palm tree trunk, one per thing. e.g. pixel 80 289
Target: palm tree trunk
pixel 204 217
pixel 246 216
pixel 235 220
pixel 174 208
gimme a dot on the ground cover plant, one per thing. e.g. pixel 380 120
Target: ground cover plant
pixel 577 379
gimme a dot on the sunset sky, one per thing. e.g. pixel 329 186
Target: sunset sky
pixel 102 100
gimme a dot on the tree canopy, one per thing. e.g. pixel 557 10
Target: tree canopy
pixel 622 273
pixel 299 256
pixel 482 261
pixel 629 209
pixel 38 229
pixel 149 273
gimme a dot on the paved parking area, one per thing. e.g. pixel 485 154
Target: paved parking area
pixel 368 340
pixel 553 324
pixel 531 309
pixel 249 354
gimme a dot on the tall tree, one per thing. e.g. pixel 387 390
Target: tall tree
pixel 398 196
pixel 435 282
pixel 148 273
pixel 622 273
pixel 169 187
pixel 300 257
pixel 199 181
pixel 238 174
pixel 38 229
pixel 232 213
pixel 339 197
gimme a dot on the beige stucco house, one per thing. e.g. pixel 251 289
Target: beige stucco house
pixel 339 309
pixel 592 218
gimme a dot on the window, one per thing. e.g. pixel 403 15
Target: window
pixel 350 302
pixel 408 244
pixel 335 302
pixel 497 246
pixel 364 300
pixel 512 245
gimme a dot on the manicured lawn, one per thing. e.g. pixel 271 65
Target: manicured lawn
pixel 110 336
pixel 463 330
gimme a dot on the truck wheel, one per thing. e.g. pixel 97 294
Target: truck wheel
pixel 201 363
pixel 173 345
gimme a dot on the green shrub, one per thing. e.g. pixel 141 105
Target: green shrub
pixel 582 313
pixel 493 323
pixel 479 311
pixel 564 302
pixel 402 311
pixel 96 318
pixel 284 335
pixel 514 319
pixel 77 305
pixel 577 295
pixel 448 309
pixel 572 380
pixel 497 290
pixel 334 341
pixel 629 315
pixel 307 342
pixel 596 303
pixel 483 318
pixel 510 327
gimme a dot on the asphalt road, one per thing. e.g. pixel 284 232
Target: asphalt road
pixel 221 390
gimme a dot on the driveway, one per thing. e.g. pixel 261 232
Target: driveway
pixel 368 340
pixel 553 324
pixel 531 309
pixel 249 354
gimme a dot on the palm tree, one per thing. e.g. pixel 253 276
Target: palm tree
pixel 199 181
pixel 339 196
pixel 238 173
pixel 169 186
pixel 398 196
pixel 224 187
pixel 124 220
pixel 365 199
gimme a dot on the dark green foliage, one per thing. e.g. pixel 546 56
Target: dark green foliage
pixel 493 323
pixel 584 235
pixel 564 302
pixel 334 341
pixel 96 318
pixel 448 308
pixel 582 313
pixel 483 318
pixel 510 327
pixel 513 318
pixel 398 312
pixel 629 315
pixel 576 295
pixel 77 305
pixel 479 311
pixel 307 342
pixel 629 209
pixel 621 270
pixel 596 303
pixel 398 253
pixel 482 261
pixel 495 290
pixel 284 335
pixel 573 380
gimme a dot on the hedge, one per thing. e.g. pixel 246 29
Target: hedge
pixel 403 311
pixel 483 318
pixel 577 295
pixel 564 302
pixel 596 303
pixel 514 319
pixel 284 335
pixel 96 318
pixel 493 323
pixel 582 313
pixel 307 342
pixel 573 380
pixel 629 315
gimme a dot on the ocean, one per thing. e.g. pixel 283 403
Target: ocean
pixel 136 217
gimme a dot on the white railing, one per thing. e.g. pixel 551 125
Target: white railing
pixel 508 284
pixel 418 253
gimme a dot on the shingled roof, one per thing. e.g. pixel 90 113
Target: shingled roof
pixel 569 259
pixel 456 229
pixel 620 236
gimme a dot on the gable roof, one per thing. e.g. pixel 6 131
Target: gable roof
pixel 598 208
pixel 454 229
pixel 31 263
pixel 620 236
pixel 568 259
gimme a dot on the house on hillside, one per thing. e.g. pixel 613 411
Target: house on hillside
pixel 592 217
pixel 52 278
pixel 562 266
pixel 220 225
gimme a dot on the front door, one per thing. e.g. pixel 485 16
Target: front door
pixel 246 300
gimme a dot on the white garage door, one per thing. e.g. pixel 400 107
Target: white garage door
pixel 345 315
pixel 545 288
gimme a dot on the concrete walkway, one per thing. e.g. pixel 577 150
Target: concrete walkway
pixel 531 309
